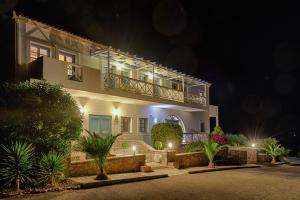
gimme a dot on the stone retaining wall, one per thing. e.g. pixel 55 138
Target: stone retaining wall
pixel 263 158
pixel 185 160
pixel 244 155
pixel 118 164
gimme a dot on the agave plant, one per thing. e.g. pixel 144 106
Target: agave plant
pixel 51 167
pixel 98 148
pixel 211 148
pixel 17 164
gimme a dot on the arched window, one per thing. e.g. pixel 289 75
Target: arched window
pixel 175 120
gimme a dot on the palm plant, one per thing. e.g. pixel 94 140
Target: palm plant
pixel 97 147
pixel 51 167
pixel 211 148
pixel 274 150
pixel 17 163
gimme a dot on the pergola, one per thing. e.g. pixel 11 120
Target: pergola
pixel 151 67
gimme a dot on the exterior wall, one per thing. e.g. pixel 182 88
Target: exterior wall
pixel 154 114
pixel 244 155
pixel 214 112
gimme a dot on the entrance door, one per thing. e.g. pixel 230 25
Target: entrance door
pixel 100 124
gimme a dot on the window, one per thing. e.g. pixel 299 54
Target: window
pixel 100 124
pixel 125 124
pixel 202 127
pixel 175 86
pixel 74 72
pixel 63 56
pixel 37 51
pixel 143 123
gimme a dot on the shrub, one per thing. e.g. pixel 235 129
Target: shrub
pixel 273 148
pixel 192 147
pixel 211 148
pixel 51 167
pixel 218 138
pixel 16 164
pixel 39 113
pixel 218 130
pixel 165 133
pixel 97 147
pixel 237 139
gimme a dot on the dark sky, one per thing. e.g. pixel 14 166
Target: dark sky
pixel 249 52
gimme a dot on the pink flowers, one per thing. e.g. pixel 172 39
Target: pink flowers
pixel 221 139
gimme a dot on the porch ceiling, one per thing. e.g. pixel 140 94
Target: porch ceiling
pixel 106 97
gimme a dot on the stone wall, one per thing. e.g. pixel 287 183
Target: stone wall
pixel 244 155
pixel 185 160
pixel 263 158
pixel 118 164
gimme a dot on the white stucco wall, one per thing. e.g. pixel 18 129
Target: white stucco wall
pixel 191 120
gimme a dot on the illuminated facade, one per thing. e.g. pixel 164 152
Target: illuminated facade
pixel 116 92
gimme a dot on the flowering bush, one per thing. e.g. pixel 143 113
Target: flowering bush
pixel 221 139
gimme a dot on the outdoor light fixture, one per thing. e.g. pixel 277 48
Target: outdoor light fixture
pixel 116 113
pixel 155 120
pixel 82 109
pixel 134 149
pixel 170 145
pixel 119 66
pixel 253 145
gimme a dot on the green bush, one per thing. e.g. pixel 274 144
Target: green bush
pixel 16 164
pixel 51 167
pixel 218 130
pixel 39 113
pixel 193 147
pixel 273 149
pixel 211 148
pixel 165 133
pixel 237 139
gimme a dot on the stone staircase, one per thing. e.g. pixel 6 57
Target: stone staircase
pixel 124 147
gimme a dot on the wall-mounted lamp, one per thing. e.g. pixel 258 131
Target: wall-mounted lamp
pixel 116 114
pixel 133 149
pixel 82 109
pixel 155 120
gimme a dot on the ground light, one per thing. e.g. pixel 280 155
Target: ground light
pixel 133 149
pixel 253 145
pixel 170 145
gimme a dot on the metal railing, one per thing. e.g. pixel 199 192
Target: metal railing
pixel 197 99
pixel 115 81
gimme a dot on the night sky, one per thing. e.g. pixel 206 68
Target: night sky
pixel 249 52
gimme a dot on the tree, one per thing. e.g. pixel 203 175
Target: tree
pixel 39 113
pixel 273 148
pixel 211 148
pixel 16 164
pixel 98 148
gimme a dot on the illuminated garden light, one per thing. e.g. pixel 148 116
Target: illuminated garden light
pixel 133 149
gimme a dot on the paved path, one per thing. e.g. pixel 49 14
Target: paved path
pixel 267 183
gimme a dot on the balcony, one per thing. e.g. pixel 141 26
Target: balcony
pixel 115 81
pixel 89 79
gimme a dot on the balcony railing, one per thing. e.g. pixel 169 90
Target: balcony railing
pixel 115 81
pixel 197 99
